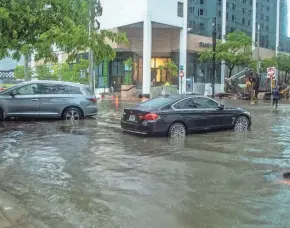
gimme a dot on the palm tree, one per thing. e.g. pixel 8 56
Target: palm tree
pixel 170 67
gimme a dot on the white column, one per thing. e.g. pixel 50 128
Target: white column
pixel 147 50
pixel 183 49
pixel 254 25
pixel 277 27
pixel 224 23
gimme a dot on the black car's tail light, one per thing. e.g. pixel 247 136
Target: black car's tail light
pixel 149 117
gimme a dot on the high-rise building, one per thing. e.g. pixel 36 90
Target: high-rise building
pixel 239 17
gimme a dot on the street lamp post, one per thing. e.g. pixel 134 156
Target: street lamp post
pixel 258 50
pixel 213 56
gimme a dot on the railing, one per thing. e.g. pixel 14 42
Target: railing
pixel 238 75
pixel 126 90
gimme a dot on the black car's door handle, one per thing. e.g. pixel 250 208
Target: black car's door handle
pixel 34 99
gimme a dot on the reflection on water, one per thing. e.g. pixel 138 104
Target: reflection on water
pixel 93 175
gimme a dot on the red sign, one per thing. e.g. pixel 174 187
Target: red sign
pixel 271 72
pixel 181 73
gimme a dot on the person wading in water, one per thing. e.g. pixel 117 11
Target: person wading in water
pixel 276 97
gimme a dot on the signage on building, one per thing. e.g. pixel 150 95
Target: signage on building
pixel 203 44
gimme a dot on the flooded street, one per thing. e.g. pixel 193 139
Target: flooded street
pixel 91 175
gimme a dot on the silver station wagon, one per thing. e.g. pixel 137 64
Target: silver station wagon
pixel 48 99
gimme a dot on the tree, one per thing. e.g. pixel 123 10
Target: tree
pixel 72 72
pixel 43 72
pixel 19 72
pixel 32 26
pixel 265 64
pixel 236 51
pixel 170 67
pixel 128 71
pixel 283 65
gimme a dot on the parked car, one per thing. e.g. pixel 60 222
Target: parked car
pixel 179 115
pixel 48 99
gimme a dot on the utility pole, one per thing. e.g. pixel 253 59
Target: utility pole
pixel 258 50
pixel 213 56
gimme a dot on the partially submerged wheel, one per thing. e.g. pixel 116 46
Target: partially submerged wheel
pixel 177 130
pixel 72 114
pixel 242 123
pixel 1 115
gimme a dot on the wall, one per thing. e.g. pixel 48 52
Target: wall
pixel 165 12
pixel 117 13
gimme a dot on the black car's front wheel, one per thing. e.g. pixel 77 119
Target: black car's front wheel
pixel 177 130
pixel 242 123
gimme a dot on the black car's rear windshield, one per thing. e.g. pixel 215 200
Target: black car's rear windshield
pixel 155 103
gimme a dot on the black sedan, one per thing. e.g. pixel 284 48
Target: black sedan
pixel 179 115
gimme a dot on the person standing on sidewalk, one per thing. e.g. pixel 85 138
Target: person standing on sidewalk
pixel 276 97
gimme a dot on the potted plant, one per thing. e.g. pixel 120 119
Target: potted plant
pixel 171 73
pixel 127 88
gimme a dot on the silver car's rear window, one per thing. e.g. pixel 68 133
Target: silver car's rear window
pixel 87 92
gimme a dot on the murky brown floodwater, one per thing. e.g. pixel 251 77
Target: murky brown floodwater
pixel 93 175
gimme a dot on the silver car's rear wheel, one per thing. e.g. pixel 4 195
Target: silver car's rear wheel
pixel 177 130
pixel 242 123
pixel 72 114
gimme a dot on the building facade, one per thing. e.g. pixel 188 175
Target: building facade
pixel 178 29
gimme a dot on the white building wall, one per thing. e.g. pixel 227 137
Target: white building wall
pixel 165 12
pixel 118 13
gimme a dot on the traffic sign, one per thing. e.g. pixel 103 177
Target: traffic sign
pixel 271 71
pixel 181 73
pixel 181 67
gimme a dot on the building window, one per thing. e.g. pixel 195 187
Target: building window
pixel 201 2
pixel 219 13
pixel 244 1
pixel 191 10
pixel 244 10
pixel 233 6
pixel 243 20
pixel 233 17
pixel 200 12
pixel 180 9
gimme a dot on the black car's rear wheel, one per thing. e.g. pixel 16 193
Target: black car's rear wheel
pixel 1 115
pixel 177 130
pixel 242 123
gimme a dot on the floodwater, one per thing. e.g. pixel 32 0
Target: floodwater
pixel 93 175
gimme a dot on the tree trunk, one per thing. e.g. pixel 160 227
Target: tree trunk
pixel 230 72
pixel 26 70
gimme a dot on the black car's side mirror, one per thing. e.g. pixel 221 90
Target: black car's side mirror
pixel 221 107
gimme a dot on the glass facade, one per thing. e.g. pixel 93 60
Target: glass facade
pixel 239 17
